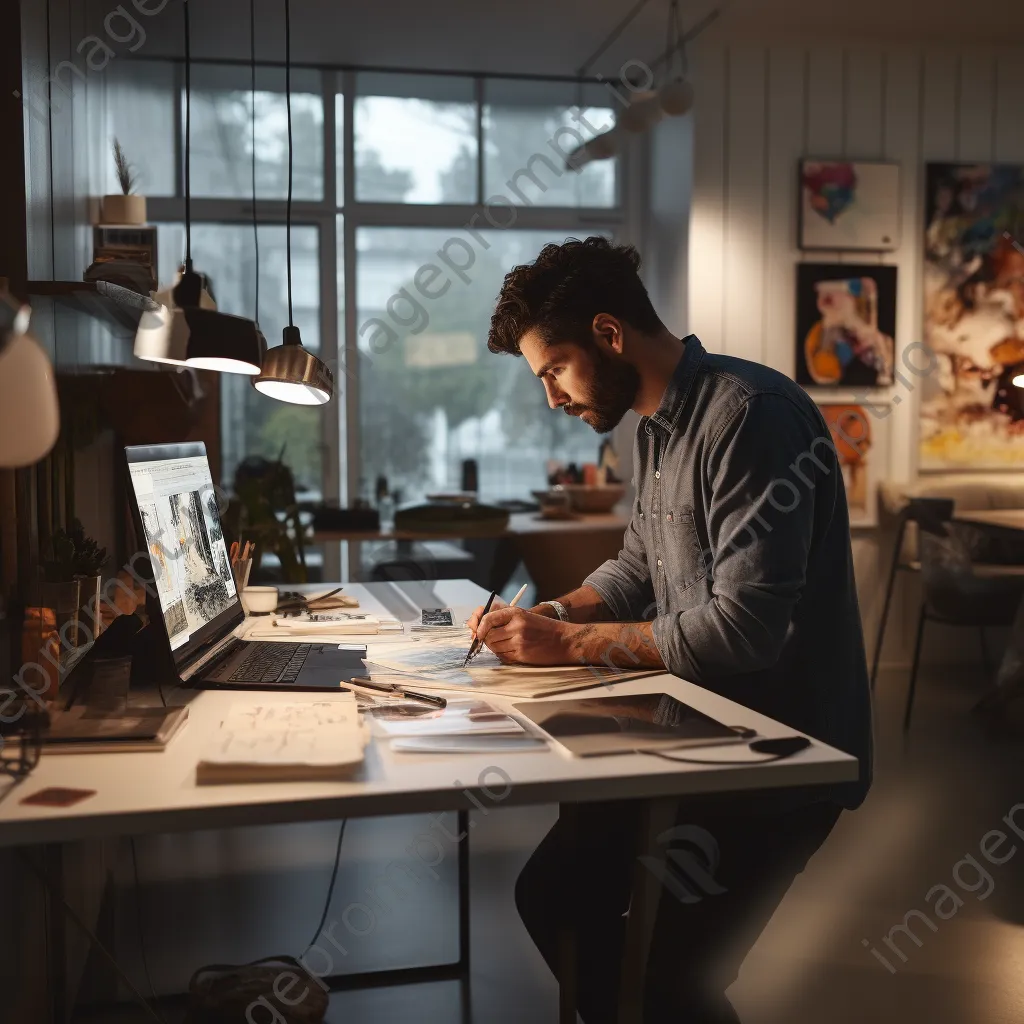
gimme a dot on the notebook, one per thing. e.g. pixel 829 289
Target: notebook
pixel 297 741
pixel 84 730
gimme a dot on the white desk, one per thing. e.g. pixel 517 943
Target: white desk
pixel 156 792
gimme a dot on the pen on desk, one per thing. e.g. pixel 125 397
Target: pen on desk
pixel 389 690
pixel 474 647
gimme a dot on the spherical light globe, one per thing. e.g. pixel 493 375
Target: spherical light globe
pixel 676 98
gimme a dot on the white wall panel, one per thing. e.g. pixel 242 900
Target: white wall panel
pixel 707 220
pixel 742 290
pixel 759 109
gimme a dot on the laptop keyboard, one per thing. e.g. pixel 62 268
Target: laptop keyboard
pixel 271 663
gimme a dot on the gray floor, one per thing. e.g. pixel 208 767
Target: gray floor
pixel 934 800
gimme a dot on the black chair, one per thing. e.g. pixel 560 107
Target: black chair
pixel 929 514
pixel 953 594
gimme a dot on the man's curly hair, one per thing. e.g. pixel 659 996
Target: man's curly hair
pixel 561 292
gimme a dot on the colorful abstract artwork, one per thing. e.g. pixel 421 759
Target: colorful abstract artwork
pixel 848 205
pixel 972 416
pixel 845 321
pixel 855 433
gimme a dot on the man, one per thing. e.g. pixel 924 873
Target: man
pixel 735 573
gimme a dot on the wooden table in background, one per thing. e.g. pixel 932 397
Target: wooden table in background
pixel 558 553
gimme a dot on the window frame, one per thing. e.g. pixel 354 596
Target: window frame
pixel 338 217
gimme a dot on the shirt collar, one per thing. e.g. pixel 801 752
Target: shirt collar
pixel 671 408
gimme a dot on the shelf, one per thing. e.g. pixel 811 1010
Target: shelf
pixel 117 308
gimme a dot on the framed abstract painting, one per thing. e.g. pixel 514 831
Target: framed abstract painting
pixel 859 434
pixel 972 415
pixel 846 204
pixel 845 324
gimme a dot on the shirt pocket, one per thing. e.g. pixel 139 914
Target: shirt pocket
pixel 683 559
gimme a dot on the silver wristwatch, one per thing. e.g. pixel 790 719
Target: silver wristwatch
pixel 559 609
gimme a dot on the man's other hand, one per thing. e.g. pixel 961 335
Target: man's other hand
pixel 519 637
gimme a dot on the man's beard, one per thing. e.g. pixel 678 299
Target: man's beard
pixel 611 395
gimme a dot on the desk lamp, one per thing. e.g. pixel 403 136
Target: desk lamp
pixel 29 411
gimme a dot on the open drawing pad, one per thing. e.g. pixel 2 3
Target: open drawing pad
pixel 620 725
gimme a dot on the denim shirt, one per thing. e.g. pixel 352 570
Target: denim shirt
pixel 738 552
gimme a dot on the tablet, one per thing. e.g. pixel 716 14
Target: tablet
pixel 623 724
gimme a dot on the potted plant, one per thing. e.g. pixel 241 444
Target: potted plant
pixel 127 207
pixel 266 511
pixel 72 581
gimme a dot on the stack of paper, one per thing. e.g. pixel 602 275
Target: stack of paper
pixel 459 718
pixel 276 742
pixel 438 663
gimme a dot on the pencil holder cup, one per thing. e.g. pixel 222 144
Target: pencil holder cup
pixel 241 570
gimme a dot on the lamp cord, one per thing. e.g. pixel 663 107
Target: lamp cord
pixel 612 36
pixel 288 102
pixel 188 145
pixel 255 227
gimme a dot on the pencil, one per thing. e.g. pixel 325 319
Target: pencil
pixel 474 647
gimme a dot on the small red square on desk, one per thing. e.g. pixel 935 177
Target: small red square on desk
pixel 56 796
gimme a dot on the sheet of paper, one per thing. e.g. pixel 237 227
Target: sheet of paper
pixel 314 732
pixel 460 718
pixel 428 658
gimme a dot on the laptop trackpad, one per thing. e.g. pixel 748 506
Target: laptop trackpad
pixel 327 667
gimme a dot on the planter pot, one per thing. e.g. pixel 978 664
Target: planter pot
pixel 90 608
pixel 121 209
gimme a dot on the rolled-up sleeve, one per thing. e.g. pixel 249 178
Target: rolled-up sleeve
pixel 768 469
pixel 624 583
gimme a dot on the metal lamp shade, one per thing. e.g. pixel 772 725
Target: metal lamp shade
pixel 221 342
pixel 293 374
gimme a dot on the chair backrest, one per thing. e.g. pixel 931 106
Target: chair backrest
pixel 967 491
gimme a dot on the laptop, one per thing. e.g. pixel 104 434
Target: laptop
pixel 176 511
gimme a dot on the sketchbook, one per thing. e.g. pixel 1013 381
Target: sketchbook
pixel 309 740
pixel 439 664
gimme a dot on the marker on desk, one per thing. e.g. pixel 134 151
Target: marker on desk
pixel 474 647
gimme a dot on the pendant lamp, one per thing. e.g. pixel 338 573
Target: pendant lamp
pixel 291 373
pixel 190 330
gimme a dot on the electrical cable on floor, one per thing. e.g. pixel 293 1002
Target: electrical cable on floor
pixel 330 889
pixel 138 920
pixel 91 935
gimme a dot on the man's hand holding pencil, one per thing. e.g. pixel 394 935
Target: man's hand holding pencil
pixel 521 637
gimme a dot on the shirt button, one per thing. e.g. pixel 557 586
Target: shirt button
pixel 659 561
pixel 657 474
pixel 669 517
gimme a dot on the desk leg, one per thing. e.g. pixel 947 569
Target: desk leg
pixel 457 970
pixel 567 953
pixel 657 816
pixel 462 829
pixel 57 948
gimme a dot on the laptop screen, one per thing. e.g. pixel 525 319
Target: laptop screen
pixel 177 510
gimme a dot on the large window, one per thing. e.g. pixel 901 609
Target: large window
pixel 416 139
pixel 433 158
pixel 431 393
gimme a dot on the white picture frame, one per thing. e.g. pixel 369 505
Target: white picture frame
pixel 849 204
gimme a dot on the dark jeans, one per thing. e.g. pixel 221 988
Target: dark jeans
pixel 701 934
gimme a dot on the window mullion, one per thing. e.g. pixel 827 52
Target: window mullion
pixel 478 91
